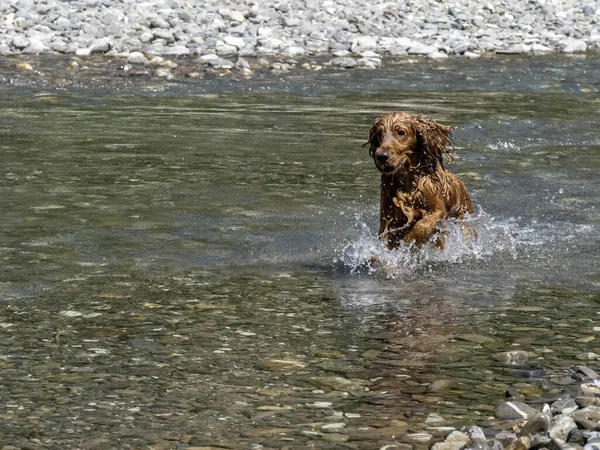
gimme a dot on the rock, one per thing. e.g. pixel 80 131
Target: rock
pixel 335 437
pixel 434 418
pixel 100 45
pixel 441 385
pixel 63 23
pixel 35 46
pixel 514 410
pixel 585 402
pixel 178 50
pixel 242 63
pixel 539 49
pixel 516 49
pixel 363 43
pixel 586 424
pixel 422 49
pixel 5 50
pixel 368 63
pixel 163 72
pixel 220 63
pixel 161 33
pixel 506 438
pixel 590 389
pixel 419 437
pixel 293 51
pixel 20 42
pixel 588 413
pixel 131 45
pixel 437 55
pixel 477 438
pixel 536 423
pixel 565 405
pixel 515 357
pixel 576 437
pixel 24 66
pixel 233 15
pixel 344 62
pixel 527 373
pixel 454 441
pixel 234 41
pixel 262 63
pixel 283 365
pixel 542 441
pixel 573 46
pixel 83 52
pixel 496 445
pixel 536 26
pixel 589 373
pixel 137 58
pixel 370 54
pixel 561 427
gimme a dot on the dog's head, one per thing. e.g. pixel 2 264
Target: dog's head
pixel 402 142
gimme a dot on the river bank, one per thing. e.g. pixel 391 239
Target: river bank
pixel 347 33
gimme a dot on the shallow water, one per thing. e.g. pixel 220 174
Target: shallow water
pixel 190 266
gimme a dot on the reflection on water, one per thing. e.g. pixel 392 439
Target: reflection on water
pixel 193 270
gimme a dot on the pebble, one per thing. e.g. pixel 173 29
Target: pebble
pixel 454 441
pixel 137 58
pixel 537 422
pixel 514 410
pixel 564 406
pixel 515 357
pixel 429 28
pixel 344 62
pixel 562 425
pixel 589 373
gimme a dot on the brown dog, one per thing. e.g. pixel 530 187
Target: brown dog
pixel 416 191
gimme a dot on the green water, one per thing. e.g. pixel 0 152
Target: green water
pixel 188 268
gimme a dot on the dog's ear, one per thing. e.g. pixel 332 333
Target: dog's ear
pixel 373 140
pixel 433 142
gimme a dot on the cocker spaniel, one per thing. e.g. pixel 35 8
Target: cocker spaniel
pixel 417 192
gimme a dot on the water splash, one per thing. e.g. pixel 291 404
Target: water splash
pixel 493 237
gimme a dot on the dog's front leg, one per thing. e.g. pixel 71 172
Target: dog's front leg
pixel 424 228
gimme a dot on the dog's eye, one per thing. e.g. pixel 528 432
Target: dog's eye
pixel 401 132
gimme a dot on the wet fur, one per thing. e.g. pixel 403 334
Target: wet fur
pixel 417 192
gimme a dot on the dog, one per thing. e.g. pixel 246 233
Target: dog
pixel 417 192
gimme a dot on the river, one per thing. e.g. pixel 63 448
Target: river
pixel 187 263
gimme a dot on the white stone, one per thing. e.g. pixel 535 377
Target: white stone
pixel 209 57
pixel 363 43
pixel 35 46
pixel 293 50
pixel 225 50
pixel 83 52
pixel 437 55
pixel 540 49
pixel 370 54
pixel 454 441
pixel 421 49
pixel 137 58
pixel 573 46
pixel 237 42
pixel 179 50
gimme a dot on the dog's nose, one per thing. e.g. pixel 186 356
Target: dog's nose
pixel 382 157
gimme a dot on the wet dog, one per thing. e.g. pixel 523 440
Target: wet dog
pixel 417 192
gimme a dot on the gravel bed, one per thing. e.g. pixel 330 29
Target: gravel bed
pixel 352 33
